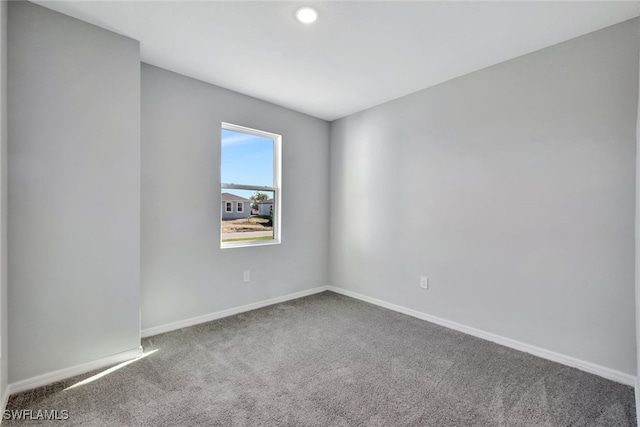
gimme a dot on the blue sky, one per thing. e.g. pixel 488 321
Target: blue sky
pixel 246 159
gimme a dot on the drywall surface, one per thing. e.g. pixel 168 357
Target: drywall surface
pixel 185 273
pixel 512 189
pixel 637 247
pixel 4 369
pixel 74 192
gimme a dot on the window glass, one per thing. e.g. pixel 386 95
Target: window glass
pixel 250 193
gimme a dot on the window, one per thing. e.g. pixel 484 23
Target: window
pixel 250 182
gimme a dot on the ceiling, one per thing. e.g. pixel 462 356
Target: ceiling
pixel 357 55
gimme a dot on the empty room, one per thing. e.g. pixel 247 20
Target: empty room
pixel 325 213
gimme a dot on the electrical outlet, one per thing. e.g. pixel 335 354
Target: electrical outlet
pixel 424 282
pixel 246 276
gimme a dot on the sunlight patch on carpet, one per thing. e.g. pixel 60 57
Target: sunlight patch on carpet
pixel 110 370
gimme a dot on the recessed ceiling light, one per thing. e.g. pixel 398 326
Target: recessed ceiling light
pixel 306 15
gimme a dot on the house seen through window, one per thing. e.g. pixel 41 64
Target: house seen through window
pixel 250 186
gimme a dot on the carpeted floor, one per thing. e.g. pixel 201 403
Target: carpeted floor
pixel 329 360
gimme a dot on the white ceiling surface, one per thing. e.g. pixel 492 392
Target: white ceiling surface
pixel 357 55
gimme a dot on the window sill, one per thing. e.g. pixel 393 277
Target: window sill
pixel 250 243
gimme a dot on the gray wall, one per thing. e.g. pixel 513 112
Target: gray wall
pixel 4 369
pixel 524 179
pixel 184 271
pixel 74 192
pixel 637 254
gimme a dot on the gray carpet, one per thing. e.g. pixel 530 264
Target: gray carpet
pixel 329 360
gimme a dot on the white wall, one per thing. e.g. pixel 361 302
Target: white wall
pixel 184 271
pixel 74 192
pixel 524 182
pixel 3 201
pixel 637 252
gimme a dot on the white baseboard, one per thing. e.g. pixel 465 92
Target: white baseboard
pixel 63 374
pixel 155 330
pixel 602 371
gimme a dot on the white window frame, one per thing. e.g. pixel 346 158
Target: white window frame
pixel 276 189
pixel 239 207
pixel 228 205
